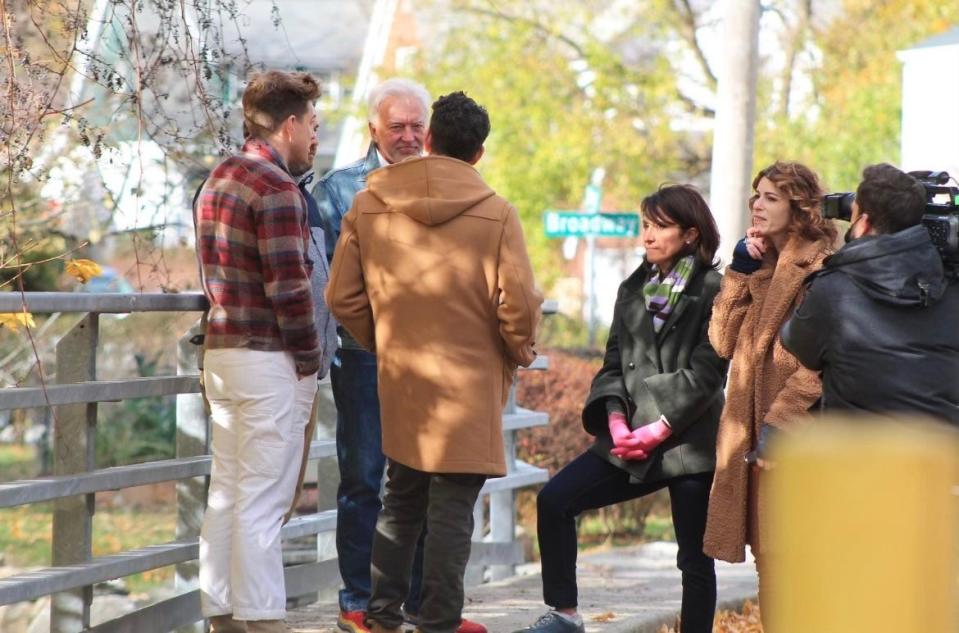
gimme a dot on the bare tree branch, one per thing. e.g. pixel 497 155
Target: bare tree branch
pixel 618 67
pixel 46 44
pixel 495 12
pixel 696 108
pixel 688 25
pixel 53 111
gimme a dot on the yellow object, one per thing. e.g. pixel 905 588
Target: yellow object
pixel 84 269
pixel 864 528
pixel 15 320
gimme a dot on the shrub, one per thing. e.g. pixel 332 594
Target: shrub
pixel 565 332
pixel 560 392
pixel 139 430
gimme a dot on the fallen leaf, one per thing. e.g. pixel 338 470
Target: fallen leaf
pixel 731 622
pixel 604 617
pixel 84 269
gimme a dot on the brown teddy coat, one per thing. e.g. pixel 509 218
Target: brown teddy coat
pixel 766 384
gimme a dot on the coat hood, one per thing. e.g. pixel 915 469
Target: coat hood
pixel 903 268
pixel 431 189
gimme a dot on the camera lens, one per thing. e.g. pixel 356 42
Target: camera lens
pixel 838 206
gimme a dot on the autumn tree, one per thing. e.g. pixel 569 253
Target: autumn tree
pixel 571 87
pixel 837 103
pixel 630 87
pixel 88 85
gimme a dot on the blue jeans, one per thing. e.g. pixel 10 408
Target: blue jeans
pixel 359 451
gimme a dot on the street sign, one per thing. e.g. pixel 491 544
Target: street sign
pixel 574 224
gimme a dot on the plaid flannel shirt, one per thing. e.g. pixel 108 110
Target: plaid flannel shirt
pixel 252 238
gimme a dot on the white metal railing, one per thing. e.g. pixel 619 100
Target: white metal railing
pixel 75 396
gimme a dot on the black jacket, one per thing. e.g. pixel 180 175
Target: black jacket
pixel 881 320
pixel 675 373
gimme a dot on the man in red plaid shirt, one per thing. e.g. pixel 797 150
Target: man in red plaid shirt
pixel 262 351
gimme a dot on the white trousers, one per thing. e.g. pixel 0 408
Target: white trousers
pixel 259 410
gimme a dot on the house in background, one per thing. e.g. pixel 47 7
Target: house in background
pixel 325 38
pixel 930 104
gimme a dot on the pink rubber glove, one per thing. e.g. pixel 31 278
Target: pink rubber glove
pixel 652 435
pixel 622 436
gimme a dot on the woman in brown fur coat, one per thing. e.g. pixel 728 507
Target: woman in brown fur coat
pixel 767 387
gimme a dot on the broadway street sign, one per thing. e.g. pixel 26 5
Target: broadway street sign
pixel 574 224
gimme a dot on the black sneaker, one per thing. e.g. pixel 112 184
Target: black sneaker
pixel 556 622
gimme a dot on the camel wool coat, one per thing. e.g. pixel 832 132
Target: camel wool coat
pixel 766 384
pixel 431 273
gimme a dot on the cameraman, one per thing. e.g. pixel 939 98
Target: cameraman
pixel 881 319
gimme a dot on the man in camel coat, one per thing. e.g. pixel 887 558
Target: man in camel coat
pixel 431 273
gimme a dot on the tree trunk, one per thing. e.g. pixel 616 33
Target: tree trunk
pixel 732 163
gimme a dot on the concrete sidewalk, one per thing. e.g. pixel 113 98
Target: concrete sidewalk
pixel 621 590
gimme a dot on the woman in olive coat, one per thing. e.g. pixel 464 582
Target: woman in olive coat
pixel 653 407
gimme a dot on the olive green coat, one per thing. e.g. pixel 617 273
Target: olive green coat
pixel 675 373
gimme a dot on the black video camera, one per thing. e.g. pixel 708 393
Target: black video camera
pixel 941 218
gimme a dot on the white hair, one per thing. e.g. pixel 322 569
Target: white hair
pixel 397 87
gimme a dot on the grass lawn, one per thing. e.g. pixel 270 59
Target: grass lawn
pixel 17 461
pixel 25 533
pixel 593 531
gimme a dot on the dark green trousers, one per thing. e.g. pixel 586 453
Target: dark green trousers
pixel 444 502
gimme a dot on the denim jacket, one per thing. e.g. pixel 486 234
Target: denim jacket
pixel 334 195
pixel 335 191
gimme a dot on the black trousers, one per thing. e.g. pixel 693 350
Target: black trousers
pixel 444 502
pixel 590 482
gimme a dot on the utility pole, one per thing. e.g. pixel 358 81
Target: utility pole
pixel 732 163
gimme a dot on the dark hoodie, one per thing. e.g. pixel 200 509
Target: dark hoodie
pixel 881 320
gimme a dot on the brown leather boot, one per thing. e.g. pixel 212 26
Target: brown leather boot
pixel 266 626
pixel 226 624
pixel 376 627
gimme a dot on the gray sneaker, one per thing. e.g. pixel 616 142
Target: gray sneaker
pixel 555 622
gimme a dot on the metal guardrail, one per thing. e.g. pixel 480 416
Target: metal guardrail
pixel 75 396
pixel 103 303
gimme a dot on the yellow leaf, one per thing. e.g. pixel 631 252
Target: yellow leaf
pixel 84 269
pixel 604 617
pixel 15 320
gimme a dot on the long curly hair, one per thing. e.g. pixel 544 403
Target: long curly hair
pixel 801 186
